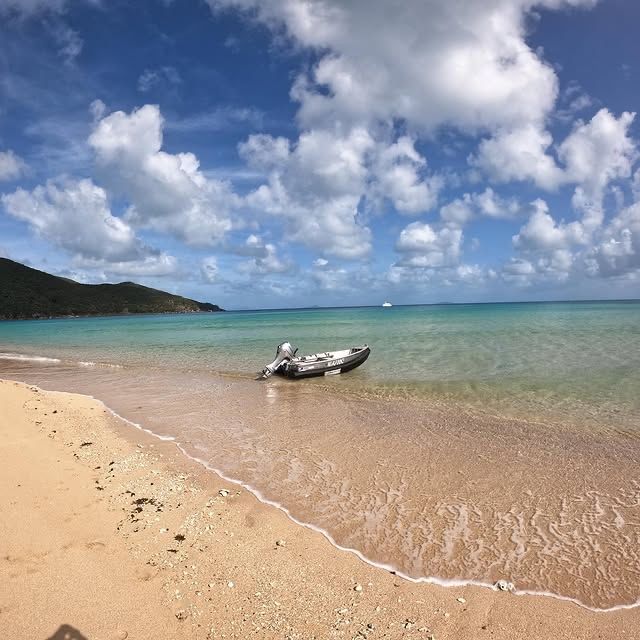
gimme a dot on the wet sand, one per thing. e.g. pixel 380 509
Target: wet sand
pixel 432 490
pixel 108 532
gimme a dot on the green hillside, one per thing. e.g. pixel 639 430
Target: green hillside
pixel 29 293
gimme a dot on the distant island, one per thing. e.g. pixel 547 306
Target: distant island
pixel 27 293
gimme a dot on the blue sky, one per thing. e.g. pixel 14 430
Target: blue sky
pixel 287 153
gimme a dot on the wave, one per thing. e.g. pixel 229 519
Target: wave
pixel 27 358
pixel 106 365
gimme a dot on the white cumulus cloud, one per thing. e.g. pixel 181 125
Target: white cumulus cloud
pixel 397 172
pixel 265 258
pixel 167 192
pixel 428 62
pixel 471 205
pixel 75 216
pixel 618 250
pixel 542 232
pixel 315 188
pixel 519 154
pixel 424 246
pixel 594 154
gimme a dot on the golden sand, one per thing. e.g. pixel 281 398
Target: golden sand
pixel 108 533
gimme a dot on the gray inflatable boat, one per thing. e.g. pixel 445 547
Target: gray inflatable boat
pixel 318 364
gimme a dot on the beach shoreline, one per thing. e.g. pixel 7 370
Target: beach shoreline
pixel 200 556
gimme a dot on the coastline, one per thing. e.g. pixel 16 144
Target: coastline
pixel 118 314
pixel 83 550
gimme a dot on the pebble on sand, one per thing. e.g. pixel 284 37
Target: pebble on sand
pixel 223 492
pixel 503 585
pixel 358 588
pixel 281 543
pixel 460 600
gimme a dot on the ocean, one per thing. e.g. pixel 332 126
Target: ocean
pixel 479 442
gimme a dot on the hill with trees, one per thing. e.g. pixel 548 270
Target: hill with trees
pixel 29 293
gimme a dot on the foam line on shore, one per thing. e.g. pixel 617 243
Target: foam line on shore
pixel 27 358
pixel 442 582
pixel 89 363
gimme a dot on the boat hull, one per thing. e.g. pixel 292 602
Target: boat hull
pixel 333 364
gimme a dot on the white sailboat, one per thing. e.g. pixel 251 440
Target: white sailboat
pixel 387 304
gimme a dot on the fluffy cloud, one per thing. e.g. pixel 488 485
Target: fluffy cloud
pixel 151 266
pixel 487 203
pixel 618 250
pixel 167 192
pixel 315 188
pixel 370 76
pixel 591 156
pixel 595 154
pixel 11 165
pixel 481 72
pixel 396 169
pixel 542 233
pixel 320 185
pixel 76 217
pixel 556 264
pixel 599 151
pixel 458 212
pixel 424 246
pixel 265 152
pixel 265 257
pixel 519 154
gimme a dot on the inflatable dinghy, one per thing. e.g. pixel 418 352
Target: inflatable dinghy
pixel 317 364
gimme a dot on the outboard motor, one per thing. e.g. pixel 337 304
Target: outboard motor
pixel 284 353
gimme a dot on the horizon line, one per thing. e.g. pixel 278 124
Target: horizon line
pixel 437 304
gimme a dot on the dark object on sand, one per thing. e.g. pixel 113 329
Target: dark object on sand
pixel 317 364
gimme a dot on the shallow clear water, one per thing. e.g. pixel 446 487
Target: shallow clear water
pixel 478 442
pixel 542 354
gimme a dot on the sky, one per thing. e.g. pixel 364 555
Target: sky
pixel 291 153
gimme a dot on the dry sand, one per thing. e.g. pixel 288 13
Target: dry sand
pixel 107 532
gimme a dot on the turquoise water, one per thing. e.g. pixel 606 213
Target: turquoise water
pixel 419 460
pixel 537 357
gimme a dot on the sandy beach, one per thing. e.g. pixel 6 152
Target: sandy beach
pixel 111 533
